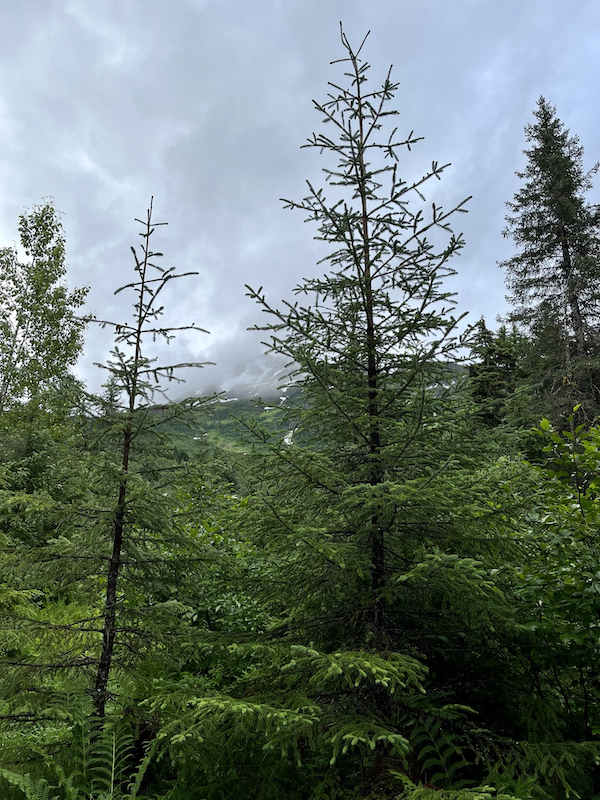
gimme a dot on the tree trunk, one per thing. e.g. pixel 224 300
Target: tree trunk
pixel 377 538
pixel 571 298
pixel 109 631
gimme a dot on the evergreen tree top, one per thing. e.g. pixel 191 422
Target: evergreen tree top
pixel 555 183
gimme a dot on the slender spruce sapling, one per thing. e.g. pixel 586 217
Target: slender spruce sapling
pixel 137 378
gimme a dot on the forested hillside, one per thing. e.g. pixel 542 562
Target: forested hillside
pixel 384 582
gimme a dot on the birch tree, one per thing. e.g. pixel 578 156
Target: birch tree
pixel 41 330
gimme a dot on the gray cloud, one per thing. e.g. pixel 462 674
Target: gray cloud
pixel 204 104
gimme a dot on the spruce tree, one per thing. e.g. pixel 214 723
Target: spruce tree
pixel 554 279
pixel 143 519
pixel 366 527
pixel 494 370
pixel 98 557
pixel 371 353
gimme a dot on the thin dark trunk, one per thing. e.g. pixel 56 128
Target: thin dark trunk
pixel 375 473
pixel 109 630
pixel 571 298
pixel 110 605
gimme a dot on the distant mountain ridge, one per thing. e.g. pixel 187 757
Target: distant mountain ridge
pixel 268 377
pixel 265 377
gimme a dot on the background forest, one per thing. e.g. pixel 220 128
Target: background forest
pixel 382 583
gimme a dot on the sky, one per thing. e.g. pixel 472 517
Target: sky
pixel 204 105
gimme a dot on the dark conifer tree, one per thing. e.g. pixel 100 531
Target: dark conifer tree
pixel 554 279
pixel 494 370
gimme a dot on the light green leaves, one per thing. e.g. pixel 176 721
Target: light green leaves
pixel 41 333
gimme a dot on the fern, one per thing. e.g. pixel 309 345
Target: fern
pixel 103 771
pixel 438 751
pixel 111 759
pixel 136 783
pixel 101 763
pixel 541 770
pixel 413 791
pixel 32 789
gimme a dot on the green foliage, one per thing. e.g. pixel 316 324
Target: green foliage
pixel 291 710
pixel 558 584
pixel 377 598
pixel 41 334
pixel 493 372
pixel 30 788
pixel 414 791
pixel 99 766
pixel 553 280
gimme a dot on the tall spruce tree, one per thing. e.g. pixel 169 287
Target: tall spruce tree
pixel 369 350
pixel 554 279
pixel 370 519
pixel 143 520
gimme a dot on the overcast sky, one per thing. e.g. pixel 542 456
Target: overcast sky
pixel 205 104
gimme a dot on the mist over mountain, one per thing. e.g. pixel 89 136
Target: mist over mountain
pixel 267 377
pixel 264 376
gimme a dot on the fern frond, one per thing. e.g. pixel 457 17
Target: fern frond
pixel 110 759
pixel 439 751
pixel 32 789
pixel 136 783
pixel 413 791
